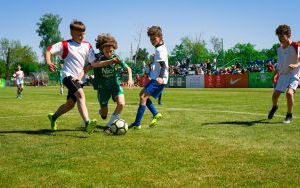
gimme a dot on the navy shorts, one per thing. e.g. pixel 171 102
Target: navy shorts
pixel 72 86
pixel 154 89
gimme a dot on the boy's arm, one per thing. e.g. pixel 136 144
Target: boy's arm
pixel 162 72
pixel 293 66
pixel 51 65
pixel 130 81
pixel 104 63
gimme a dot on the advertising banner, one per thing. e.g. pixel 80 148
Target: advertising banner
pixel 261 80
pixel 177 81
pixel 237 80
pixel 195 81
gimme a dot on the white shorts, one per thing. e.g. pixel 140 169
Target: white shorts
pixel 19 82
pixel 287 81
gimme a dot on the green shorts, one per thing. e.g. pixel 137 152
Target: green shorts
pixel 104 94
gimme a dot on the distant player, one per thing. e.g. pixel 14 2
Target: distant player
pixel 19 78
pixel 288 69
pixel 106 80
pixel 75 53
pixel 158 74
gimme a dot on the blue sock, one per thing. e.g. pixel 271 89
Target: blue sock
pixel 151 107
pixel 139 114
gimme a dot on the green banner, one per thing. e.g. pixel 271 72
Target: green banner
pixel 2 82
pixel 260 80
pixel 177 81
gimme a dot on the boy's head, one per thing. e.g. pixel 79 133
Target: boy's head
pixel 284 33
pixel 107 44
pixel 19 67
pixel 77 29
pixel 155 34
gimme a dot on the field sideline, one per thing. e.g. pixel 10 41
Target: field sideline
pixel 207 138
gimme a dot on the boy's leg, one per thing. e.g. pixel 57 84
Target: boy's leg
pixel 80 96
pixel 140 112
pixel 151 107
pixel 290 100
pixel 120 99
pixel 70 103
pixel 159 99
pixel 275 96
pixel 290 104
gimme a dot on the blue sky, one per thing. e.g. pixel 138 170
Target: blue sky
pixel 235 21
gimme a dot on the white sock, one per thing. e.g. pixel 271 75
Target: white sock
pixel 112 119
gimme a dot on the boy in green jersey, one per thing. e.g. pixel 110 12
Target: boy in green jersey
pixel 106 81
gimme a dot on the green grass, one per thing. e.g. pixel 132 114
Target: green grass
pixel 207 138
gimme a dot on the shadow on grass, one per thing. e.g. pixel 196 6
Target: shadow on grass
pixel 243 123
pixel 37 132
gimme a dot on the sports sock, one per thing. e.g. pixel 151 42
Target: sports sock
pixel 55 116
pixel 139 114
pixel 86 122
pixel 151 107
pixel 113 118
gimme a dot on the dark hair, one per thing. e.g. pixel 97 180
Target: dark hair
pixel 103 40
pixel 154 31
pixel 283 30
pixel 77 25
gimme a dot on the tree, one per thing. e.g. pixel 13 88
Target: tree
pixel 195 50
pixel 12 53
pixel 48 30
pixel 272 52
pixel 178 54
pixel 243 53
pixel 141 56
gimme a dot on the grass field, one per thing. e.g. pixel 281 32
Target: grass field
pixel 207 138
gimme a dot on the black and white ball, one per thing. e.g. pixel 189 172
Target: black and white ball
pixel 119 127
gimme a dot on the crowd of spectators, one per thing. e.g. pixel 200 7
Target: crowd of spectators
pixel 212 68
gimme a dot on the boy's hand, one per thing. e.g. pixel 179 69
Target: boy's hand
pixel 292 66
pixel 159 80
pixel 130 83
pixel 52 66
pixel 87 68
pixel 115 60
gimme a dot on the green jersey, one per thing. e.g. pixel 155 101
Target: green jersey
pixel 107 77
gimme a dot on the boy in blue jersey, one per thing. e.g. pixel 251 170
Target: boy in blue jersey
pixel 158 73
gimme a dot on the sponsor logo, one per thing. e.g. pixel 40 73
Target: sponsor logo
pixel 232 82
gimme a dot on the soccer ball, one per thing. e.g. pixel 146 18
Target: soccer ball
pixel 119 127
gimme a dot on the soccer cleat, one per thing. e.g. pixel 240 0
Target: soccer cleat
pixel 52 122
pixel 135 127
pixel 272 112
pixel 159 103
pixel 288 118
pixel 155 119
pixel 90 126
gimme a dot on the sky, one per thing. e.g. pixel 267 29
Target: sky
pixel 235 21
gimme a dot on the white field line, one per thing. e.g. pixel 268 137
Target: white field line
pixel 167 109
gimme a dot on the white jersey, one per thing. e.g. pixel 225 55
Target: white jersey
pixel 287 56
pixel 161 54
pixel 75 55
pixel 19 76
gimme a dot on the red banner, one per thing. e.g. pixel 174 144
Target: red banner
pixel 226 81
pixel 237 81
pixel 215 81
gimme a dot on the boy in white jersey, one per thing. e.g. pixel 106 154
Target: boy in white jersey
pixel 158 74
pixel 75 53
pixel 19 76
pixel 288 69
